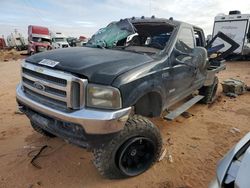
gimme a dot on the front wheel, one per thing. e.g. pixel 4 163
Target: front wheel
pixel 133 151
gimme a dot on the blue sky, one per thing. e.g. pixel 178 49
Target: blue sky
pixel 82 17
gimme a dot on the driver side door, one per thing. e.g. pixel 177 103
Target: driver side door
pixel 182 71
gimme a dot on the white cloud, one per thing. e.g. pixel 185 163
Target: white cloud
pixel 86 23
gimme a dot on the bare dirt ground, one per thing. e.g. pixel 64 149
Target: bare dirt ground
pixel 8 55
pixel 195 144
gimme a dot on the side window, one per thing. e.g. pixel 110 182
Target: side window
pixel 198 38
pixel 185 41
pixel 248 34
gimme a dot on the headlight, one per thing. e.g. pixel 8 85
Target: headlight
pixel 103 97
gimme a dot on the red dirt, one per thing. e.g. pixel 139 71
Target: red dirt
pixel 10 55
pixel 195 144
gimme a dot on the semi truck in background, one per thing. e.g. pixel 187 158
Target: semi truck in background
pixel 79 42
pixel 39 39
pixel 83 40
pixel 59 40
pixel 237 27
pixel 2 43
pixel 17 41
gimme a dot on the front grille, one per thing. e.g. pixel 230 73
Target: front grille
pixel 53 88
pixel 45 77
pixel 41 49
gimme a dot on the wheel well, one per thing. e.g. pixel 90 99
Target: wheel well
pixel 149 105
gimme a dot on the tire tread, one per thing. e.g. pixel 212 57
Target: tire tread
pixel 102 155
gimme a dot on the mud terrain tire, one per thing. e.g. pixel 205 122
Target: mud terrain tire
pixel 131 152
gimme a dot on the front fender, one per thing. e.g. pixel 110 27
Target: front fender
pixel 142 80
pixel 133 91
pixel 141 90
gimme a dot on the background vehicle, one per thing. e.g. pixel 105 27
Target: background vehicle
pixel 233 170
pixel 39 39
pixel 16 40
pixel 72 41
pixel 236 26
pixel 2 43
pixel 100 96
pixel 83 40
pixel 59 40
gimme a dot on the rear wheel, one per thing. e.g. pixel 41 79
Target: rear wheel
pixel 41 131
pixel 133 151
pixel 209 92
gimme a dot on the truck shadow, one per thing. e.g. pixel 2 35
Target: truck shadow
pixel 58 159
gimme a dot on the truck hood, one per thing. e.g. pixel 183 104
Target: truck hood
pixel 100 66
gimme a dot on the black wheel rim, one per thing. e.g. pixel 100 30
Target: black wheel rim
pixel 136 156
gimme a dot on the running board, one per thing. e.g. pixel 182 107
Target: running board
pixel 178 111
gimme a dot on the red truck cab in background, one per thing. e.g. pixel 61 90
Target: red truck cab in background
pixel 2 43
pixel 39 39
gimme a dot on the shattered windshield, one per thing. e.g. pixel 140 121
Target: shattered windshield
pixel 109 36
pixel 139 37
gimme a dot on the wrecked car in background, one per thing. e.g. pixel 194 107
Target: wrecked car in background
pixel 39 39
pixel 99 96
pixel 72 41
pixel 17 41
pixel 233 170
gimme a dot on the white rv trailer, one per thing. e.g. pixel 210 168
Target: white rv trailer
pixel 236 26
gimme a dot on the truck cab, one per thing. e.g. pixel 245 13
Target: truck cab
pixel 59 40
pixel 39 39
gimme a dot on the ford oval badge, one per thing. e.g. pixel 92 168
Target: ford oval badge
pixel 39 86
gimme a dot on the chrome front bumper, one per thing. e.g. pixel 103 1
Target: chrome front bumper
pixel 93 121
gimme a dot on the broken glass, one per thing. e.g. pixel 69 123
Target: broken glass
pixel 109 36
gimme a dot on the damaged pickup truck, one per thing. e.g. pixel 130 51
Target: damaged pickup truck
pixel 99 96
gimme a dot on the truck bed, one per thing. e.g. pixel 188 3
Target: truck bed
pixel 212 70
